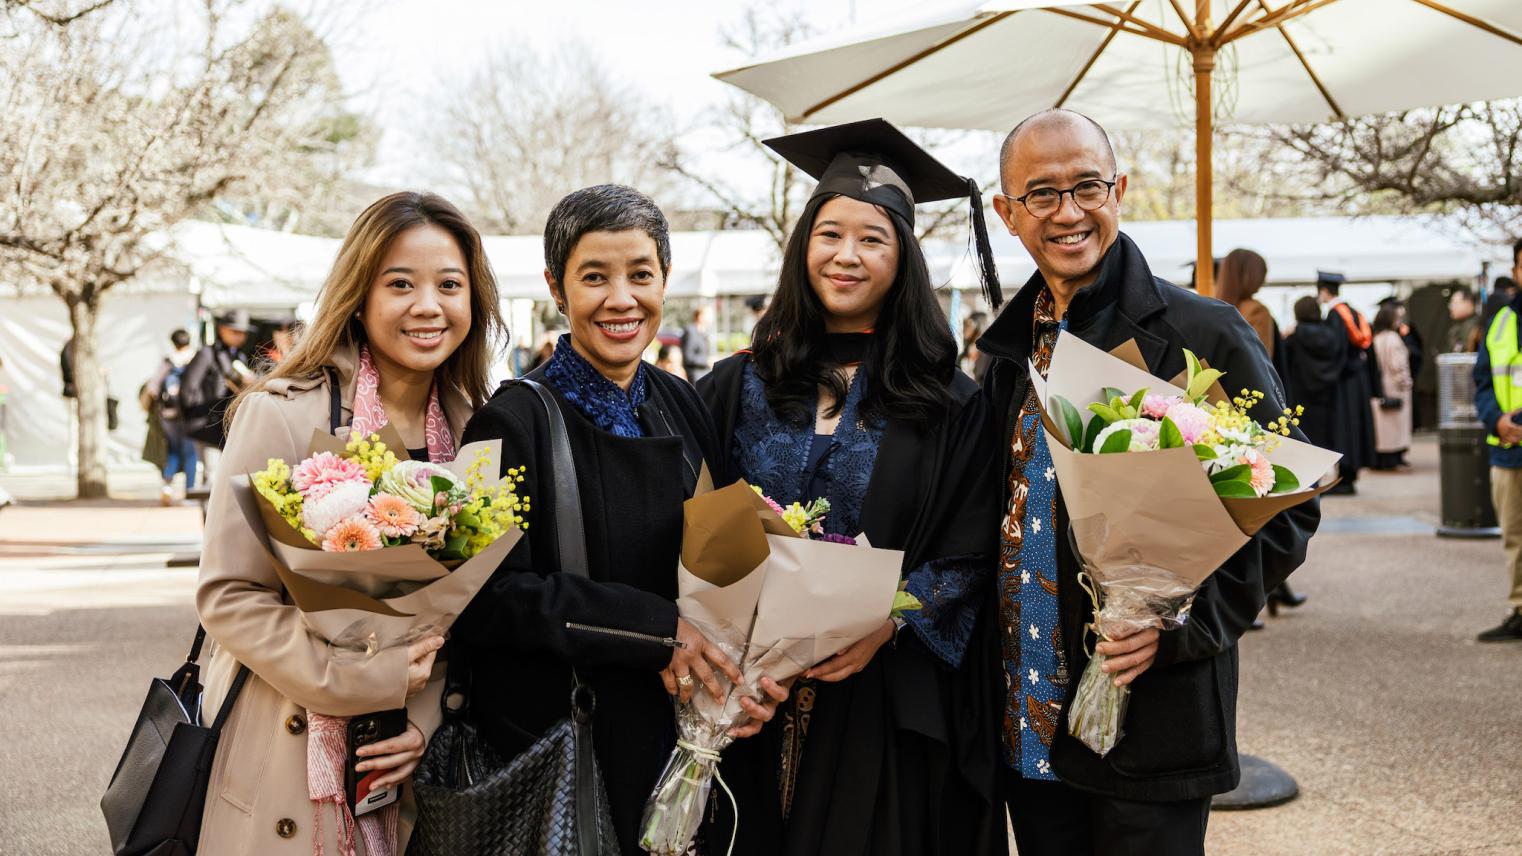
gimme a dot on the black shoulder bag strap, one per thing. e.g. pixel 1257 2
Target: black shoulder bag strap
pixel 572 549
pixel 335 418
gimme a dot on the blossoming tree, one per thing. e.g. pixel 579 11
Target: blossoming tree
pixel 122 123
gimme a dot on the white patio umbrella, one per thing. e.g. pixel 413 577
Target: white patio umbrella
pixel 1151 64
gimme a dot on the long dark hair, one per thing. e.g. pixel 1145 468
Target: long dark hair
pixel 912 357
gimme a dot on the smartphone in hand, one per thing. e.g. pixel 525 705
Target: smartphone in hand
pixel 363 730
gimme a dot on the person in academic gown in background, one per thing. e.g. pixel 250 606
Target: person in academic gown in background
pixel 1313 355
pixel 1352 424
pixel 851 393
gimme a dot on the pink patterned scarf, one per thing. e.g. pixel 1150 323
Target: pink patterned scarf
pixel 327 736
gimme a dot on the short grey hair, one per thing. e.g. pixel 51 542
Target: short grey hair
pixel 602 208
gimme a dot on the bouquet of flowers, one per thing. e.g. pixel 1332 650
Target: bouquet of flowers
pixel 1163 484
pixel 808 522
pixel 377 550
pixel 776 594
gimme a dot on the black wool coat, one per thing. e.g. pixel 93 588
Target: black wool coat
pixel 1180 728
pixel 514 636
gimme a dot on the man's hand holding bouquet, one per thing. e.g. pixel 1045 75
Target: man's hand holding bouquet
pixel 1162 482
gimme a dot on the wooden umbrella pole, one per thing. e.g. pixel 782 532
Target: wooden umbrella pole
pixel 1204 64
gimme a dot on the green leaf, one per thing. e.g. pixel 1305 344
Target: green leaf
pixel 1067 417
pixel 1169 436
pixel 1240 472
pixel 1096 425
pixel 1105 412
pixel 456 543
pixel 1284 480
pixel 1204 452
pixel 1200 383
pixel 1194 364
pixel 1120 441
pixel 1234 489
pixel 1110 392
pixel 440 485
pixel 1136 400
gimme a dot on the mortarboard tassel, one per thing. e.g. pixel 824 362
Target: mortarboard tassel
pixel 988 272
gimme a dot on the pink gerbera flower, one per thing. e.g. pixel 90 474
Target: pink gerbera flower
pixel 393 516
pixel 354 535
pixel 1262 471
pixel 317 475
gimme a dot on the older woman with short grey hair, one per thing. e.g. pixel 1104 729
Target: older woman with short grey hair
pixel 639 437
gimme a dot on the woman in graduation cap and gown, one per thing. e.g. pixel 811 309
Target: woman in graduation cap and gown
pixel 851 392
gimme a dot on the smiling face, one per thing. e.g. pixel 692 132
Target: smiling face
pixel 852 261
pixel 417 310
pixel 1058 153
pixel 612 296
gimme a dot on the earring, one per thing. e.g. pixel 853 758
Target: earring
pixel 560 307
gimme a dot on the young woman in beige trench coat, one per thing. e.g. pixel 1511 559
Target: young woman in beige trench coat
pixel 412 289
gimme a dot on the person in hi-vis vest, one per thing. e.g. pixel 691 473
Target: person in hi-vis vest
pixel 1498 399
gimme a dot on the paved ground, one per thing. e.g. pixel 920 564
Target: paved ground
pixel 1405 735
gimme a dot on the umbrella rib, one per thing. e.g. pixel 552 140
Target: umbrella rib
pixel 1472 21
pixel 1109 37
pixel 1155 35
pixel 1128 15
pixel 1304 63
pixel 1194 32
pixel 1226 24
pixel 900 66
pixel 1273 19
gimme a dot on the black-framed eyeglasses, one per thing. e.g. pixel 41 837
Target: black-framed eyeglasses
pixel 1089 195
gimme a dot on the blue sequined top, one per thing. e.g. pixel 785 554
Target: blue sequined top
pixel 594 396
pixel 789 462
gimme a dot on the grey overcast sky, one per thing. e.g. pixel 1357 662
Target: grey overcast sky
pixel 400 52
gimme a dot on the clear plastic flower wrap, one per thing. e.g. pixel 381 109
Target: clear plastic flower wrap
pixel 676 807
pixel 1128 595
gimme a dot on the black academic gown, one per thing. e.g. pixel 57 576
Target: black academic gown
pixel 900 758
pixel 1352 420
pixel 1313 359
pixel 514 637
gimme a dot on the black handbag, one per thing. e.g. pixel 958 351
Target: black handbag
pixel 548 800
pixel 154 802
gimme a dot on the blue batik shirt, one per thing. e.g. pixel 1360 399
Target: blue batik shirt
pixel 1035 670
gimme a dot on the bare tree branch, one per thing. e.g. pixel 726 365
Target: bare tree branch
pixel 119 127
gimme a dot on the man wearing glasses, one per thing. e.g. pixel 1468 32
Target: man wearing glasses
pixel 1061 195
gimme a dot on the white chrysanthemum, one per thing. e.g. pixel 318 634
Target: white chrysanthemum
pixel 1144 434
pixel 338 504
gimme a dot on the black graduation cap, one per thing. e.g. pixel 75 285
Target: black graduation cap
pixel 1330 278
pixel 874 162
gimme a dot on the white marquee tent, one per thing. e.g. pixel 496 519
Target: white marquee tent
pixel 221 267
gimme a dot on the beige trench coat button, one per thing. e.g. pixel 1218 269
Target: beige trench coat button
pixel 285 827
pixel 296 723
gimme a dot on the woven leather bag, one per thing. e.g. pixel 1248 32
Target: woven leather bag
pixel 550 799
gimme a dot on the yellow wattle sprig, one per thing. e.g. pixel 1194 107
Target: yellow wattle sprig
pixel 370 453
pixel 274 484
